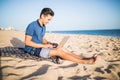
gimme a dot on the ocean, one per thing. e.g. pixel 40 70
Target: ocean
pixel 112 33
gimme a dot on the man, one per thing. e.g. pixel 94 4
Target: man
pixel 36 44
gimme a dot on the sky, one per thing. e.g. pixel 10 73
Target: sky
pixel 69 14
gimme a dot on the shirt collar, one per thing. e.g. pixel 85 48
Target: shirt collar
pixel 40 24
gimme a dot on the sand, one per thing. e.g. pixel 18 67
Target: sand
pixel 107 66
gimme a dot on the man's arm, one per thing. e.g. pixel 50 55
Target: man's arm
pixel 29 42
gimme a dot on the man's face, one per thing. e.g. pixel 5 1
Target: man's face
pixel 46 19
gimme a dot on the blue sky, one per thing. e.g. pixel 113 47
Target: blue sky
pixel 69 14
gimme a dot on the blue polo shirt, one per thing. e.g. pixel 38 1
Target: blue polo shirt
pixel 36 31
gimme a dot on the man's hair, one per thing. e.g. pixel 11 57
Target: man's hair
pixel 46 11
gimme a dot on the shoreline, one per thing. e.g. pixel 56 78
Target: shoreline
pixel 85 35
pixel 88 35
pixel 104 32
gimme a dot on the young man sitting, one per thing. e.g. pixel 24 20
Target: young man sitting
pixel 36 44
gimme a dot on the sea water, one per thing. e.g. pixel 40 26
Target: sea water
pixel 112 33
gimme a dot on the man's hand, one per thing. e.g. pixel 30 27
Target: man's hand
pixel 48 46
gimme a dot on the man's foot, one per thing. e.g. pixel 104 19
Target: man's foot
pixel 91 60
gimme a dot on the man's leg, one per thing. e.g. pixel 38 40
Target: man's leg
pixel 72 54
pixel 69 56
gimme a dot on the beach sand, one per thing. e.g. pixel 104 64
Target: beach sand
pixel 107 66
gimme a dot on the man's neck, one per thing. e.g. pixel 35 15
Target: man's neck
pixel 40 22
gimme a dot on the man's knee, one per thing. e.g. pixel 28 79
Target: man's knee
pixel 60 52
pixel 57 52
